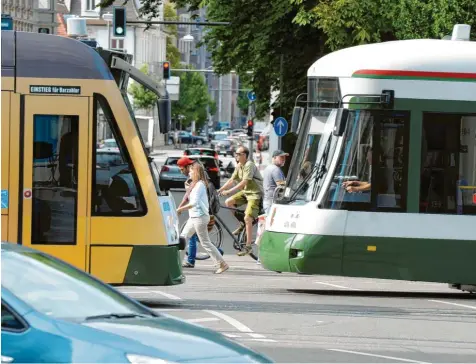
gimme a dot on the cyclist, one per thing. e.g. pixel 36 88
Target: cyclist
pixel 250 185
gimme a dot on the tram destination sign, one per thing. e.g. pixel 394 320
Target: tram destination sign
pixel 55 90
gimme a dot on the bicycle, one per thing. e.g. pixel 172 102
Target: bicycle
pixel 217 231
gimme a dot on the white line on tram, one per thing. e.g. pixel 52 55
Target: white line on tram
pixel 454 304
pixel 378 356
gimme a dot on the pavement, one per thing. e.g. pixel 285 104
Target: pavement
pixel 323 319
pixel 320 319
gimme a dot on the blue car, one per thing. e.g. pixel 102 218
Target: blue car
pixel 55 313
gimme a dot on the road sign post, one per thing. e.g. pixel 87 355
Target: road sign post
pixel 280 126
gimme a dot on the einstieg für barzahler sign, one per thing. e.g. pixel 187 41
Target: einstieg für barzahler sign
pixel 55 90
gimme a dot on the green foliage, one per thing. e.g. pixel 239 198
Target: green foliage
pixel 142 98
pixel 170 14
pixel 193 100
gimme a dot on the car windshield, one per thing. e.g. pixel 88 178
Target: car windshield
pixel 208 162
pixel 110 144
pixel 171 161
pixel 59 290
pixel 220 136
pixel 201 152
pixel 225 142
pixel 105 160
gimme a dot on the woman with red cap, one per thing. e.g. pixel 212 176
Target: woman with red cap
pixel 199 216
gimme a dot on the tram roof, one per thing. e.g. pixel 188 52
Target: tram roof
pixel 49 56
pixel 404 59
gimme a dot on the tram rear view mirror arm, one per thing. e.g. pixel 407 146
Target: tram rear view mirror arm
pixel 341 121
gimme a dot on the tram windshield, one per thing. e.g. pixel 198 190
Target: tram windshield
pixel 311 155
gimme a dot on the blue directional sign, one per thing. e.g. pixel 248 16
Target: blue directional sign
pixel 280 126
pixel 7 22
pixel 251 96
pixel 4 199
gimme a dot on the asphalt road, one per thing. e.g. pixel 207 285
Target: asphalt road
pixel 322 319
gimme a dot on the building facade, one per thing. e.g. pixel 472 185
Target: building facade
pixel 32 15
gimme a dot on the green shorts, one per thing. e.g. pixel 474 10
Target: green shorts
pixel 252 207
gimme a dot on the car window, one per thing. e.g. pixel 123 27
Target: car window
pixel 208 162
pixel 10 321
pixel 108 159
pixel 59 290
pixel 171 161
pixel 200 152
pixel 220 136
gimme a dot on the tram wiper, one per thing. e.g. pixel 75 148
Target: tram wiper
pixel 119 316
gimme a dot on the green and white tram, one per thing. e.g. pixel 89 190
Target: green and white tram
pixel 382 182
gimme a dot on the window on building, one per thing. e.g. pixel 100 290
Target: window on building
pixel 55 179
pixel 372 169
pixel 116 188
pixel 91 5
pixel 448 169
pixel 117 44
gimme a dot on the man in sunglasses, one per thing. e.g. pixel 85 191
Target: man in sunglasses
pixel 250 187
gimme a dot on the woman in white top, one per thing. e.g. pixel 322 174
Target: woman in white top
pixel 199 216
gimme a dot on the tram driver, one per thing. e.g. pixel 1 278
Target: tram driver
pixel 361 186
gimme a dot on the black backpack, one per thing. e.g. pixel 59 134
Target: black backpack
pixel 213 199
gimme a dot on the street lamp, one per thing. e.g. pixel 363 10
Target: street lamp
pixel 188 39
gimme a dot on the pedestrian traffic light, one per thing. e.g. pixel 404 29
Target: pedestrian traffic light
pixel 119 21
pixel 166 67
pixel 249 132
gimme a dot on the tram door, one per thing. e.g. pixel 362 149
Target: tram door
pixel 54 180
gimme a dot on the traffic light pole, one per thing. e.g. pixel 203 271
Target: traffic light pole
pixel 251 115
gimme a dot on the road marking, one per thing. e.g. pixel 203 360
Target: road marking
pixel 235 323
pixel 454 304
pixel 168 295
pixel 204 319
pixel 337 286
pixel 256 336
pixel 263 340
pixel 231 335
pixel 378 356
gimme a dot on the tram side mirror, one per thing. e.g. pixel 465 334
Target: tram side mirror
pixel 164 110
pixel 341 121
pixel 298 113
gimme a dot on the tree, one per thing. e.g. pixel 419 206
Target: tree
pixel 193 100
pixel 142 98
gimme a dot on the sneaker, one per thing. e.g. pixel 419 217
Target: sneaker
pixel 222 267
pixel 246 250
pixel 239 230
pixel 188 265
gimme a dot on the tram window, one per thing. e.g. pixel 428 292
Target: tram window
pixel 371 172
pixel 55 179
pixel 116 189
pixel 448 169
pixel 10 322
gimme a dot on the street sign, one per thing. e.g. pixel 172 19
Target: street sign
pixel 251 96
pixel 7 22
pixel 280 126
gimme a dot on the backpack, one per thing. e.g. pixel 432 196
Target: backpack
pixel 213 199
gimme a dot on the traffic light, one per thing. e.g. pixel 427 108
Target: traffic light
pixel 249 132
pixel 166 67
pixel 119 21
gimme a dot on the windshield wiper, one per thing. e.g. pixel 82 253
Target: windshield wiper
pixel 119 316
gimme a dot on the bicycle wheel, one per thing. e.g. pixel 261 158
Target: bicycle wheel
pixel 216 237
pixel 242 242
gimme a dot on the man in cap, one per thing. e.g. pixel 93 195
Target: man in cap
pixel 272 177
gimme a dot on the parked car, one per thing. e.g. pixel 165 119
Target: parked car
pixel 170 175
pixel 185 137
pixel 217 136
pixel 53 312
pixel 224 147
pixel 109 145
pixel 201 151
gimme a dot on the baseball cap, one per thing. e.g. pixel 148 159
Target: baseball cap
pixel 185 161
pixel 279 153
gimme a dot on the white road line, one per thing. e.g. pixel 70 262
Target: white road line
pixel 454 304
pixel 378 356
pixel 204 319
pixel 231 335
pixel 256 336
pixel 337 286
pixel 235 323
pixel 263 340
pixel 168 295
